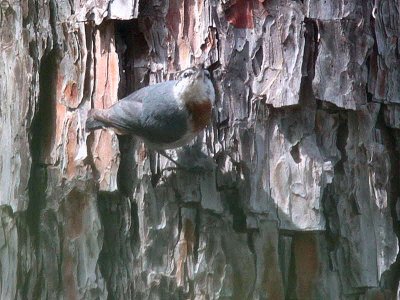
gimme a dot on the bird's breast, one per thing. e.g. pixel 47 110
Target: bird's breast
pixel 200 113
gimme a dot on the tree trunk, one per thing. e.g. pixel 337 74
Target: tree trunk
pixel 295 184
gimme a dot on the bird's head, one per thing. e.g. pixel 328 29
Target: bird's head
pixel 194 85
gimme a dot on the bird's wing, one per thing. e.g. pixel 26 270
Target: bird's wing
pixel 163 119
pixel 125 115
pixel 151 113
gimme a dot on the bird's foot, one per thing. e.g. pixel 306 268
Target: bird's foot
pixel 202 166
pixel 166 155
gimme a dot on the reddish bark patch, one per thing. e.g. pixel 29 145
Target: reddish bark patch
pixel 173 17
pixel 377 294
pixel 105 157
pixel 107 68
pixel 188 232
pixel 75 206
pixel 272 278
pixel 189 23
pixel 185 248
pixel 211 40
pixel 200 114
pixel 71 94
pixel 69 284
pixel 240 14
pixel 72 145
pixel 53 136
pixel 307 264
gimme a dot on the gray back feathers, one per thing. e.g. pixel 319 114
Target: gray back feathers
pixel 151 113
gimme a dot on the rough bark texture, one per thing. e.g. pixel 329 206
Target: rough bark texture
pixel 295 186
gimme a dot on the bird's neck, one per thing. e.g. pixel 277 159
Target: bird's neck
pixel 197 100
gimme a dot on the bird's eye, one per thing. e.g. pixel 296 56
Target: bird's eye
pixel 186 74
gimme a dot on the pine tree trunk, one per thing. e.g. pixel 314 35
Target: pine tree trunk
pixel 295 184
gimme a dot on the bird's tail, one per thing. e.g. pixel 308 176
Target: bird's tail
pixel 92 123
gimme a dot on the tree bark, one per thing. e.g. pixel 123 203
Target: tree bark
pixel 294 189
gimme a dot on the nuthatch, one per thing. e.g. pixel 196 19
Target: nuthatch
pixel 165 115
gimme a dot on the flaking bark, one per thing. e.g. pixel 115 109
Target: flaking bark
pixel 295 185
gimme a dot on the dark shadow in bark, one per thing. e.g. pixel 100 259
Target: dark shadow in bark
pixel 121 243
pixel 132 50
pixel 41 137
pixel 391 137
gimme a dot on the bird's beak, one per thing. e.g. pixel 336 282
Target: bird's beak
pixel 200 74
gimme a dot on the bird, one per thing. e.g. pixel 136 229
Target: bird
pixel 166 115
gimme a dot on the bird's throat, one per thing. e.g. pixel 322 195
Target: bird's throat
pixel 200 113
